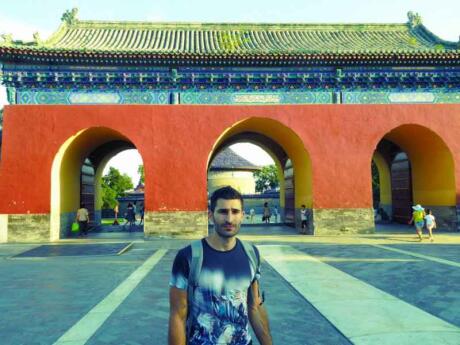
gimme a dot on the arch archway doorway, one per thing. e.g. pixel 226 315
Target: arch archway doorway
pixel 415 166
pixel 292 162
pixel 77 176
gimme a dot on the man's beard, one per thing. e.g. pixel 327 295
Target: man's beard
pixel 222 232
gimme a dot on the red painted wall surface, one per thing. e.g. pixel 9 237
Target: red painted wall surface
pixel 175 142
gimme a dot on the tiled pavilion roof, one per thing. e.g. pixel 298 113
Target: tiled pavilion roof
pixel 146 42
pixel 227 159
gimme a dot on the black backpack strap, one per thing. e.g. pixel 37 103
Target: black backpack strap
pixel 193 276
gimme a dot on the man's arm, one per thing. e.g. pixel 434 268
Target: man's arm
pixel 258 316
pixel 177 316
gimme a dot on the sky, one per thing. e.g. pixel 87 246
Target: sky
pixel 23 18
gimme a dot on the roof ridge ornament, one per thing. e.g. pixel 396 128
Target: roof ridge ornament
pixel 70 16
pixel 414 19
pixel 37 38
pixel 7 38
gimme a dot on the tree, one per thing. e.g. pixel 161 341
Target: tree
pixel 266 177
pixel 140 170
pixel 114 185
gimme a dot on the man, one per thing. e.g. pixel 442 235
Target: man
pixel 82 218
pixel 226 297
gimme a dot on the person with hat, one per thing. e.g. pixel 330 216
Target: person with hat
pixel 418 217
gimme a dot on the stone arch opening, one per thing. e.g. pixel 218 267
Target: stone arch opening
pixel 77 173
pixel 291 159
pixel 415 166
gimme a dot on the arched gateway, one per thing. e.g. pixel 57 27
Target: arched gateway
pixel 325 98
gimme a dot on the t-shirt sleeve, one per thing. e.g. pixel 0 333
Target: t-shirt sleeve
pixel 180 270
pixel 257 273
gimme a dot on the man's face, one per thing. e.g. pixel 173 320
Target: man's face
pixel 227 217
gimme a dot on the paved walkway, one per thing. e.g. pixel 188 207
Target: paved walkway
pixel 377 289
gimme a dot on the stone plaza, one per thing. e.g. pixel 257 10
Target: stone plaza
pixel 385 288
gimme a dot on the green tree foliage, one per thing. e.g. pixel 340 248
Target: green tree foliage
pixel 140 170
pixel 266 177
pixel 114 185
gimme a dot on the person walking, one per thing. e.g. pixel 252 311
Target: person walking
pixel 82 218
pixel 115 212
pixel 252 214
pixel 303 220
pixel 267 214
pixel 276 213
pixel 130 216
pixel 214 287
pixel 141 212
pixel 430 222
pixel 418 217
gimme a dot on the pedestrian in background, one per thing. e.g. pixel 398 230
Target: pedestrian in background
pixel 82 218
pixel 303 220
pixel 418 218
pixel 115 211
pixel 275 213
pixel 430 222
pixel 267 214
pixel 130 216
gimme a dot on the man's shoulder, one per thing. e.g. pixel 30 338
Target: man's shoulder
pixel 249 245
pixel 185 252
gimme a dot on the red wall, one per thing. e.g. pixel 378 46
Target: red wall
pixel 175 142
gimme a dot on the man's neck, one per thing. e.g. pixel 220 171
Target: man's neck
pixel 222 244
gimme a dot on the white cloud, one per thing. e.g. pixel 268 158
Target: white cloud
pixel 126 162
pixel 252 153
pixel 21 30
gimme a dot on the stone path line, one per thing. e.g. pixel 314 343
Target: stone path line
pixel 363 313
pixel 417 255
pixel 80 333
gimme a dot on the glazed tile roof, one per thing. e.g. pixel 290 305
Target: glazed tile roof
pixel 227 159
pixel 232 40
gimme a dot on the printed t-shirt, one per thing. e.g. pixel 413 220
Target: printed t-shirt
pixel 219 312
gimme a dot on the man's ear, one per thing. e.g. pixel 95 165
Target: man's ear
pixel 210 216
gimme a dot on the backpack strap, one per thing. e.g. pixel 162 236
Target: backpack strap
pixel 254 261
pixel 193 276
pixel 196 263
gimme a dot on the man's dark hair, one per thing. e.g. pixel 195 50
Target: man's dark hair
pixel 226 193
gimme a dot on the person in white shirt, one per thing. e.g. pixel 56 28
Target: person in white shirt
pixel 82 218
pixel 252 214
pixel 303 219
pixel 430 222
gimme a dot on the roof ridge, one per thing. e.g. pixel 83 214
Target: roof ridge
pixel 423 30
pixel 174 24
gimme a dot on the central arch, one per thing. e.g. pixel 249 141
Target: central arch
pixel 285 147
pixel 84 154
